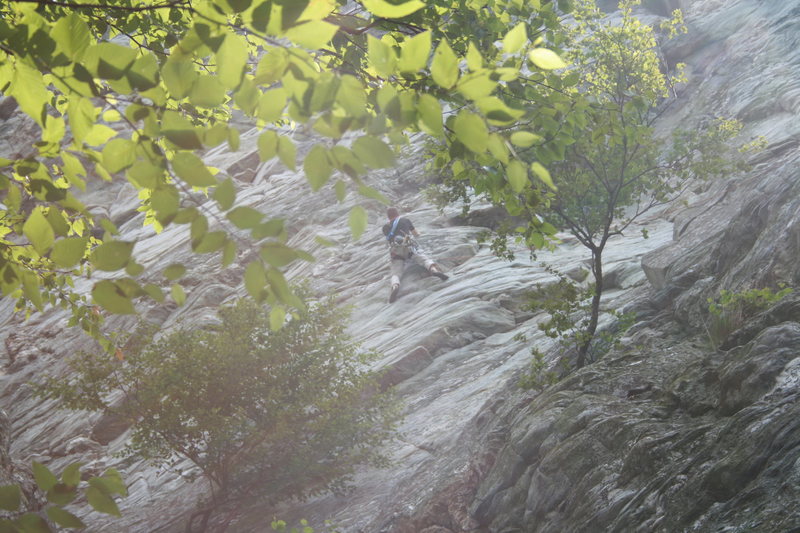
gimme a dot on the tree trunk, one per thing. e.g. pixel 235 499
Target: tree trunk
pixel 597 270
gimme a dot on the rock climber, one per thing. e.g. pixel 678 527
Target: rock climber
pixel 399 232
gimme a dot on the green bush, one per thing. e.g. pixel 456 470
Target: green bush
pixel 274 413
pixel 730 310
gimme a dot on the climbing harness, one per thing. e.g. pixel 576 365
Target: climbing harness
pixel 402 246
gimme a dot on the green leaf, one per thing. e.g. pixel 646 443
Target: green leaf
pixel 71 475
pixel 102 502
pixel 476 85
pixel 154 291
pixel 32 523
pixel 244 217
pixel 174 271
pixel 207 91
pixel 64 518
pixel 246 97
pixel 271 104
pixel 317 167
pixel 67 252
pixel 57 221
pixel 232 58
pixel 179 76
pixel 381 56
pixel 524 139
pixel 9 497
pixel 414 53
pixel 99 135
pixel 537 240
pixel 108 295
pixel 430 113
pixel 119 154
pixel 517 175
pixel 209 242
pixel 62 494
pixel 287 152
pixel 280 288
pixel 180 131
pixel 255 280
pixel 267 145
pixel 145 175
pixel 384 9
pixel 374 152
pixel 109 60
pixel 444 68
pixel 38 231
pixel 30 288
pixel 474 57
pixel 178 294
pixel 165 201
pixel 71 34
pixel 44 478
pixel 272 66
pixel 546 59
pixel 29 90
pixel 313 34
pixel 351 96
pixel 543 174
pixel 497 147
pixel 225 194
pixel 471 130
pixel 341 190
pixel 111 255
pixel 277 255
pixel 515 39
pixel 134 269
pixel 277 317
pixel 110 482
pixel 228 253
pixel 358 221
pixel 192 170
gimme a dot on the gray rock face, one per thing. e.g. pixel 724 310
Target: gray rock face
pixel 663 434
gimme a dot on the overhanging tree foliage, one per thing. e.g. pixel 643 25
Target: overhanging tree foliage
pixel 138 89
pixel 613 167
pixel 261 413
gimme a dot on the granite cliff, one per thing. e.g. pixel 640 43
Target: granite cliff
pixel 664 433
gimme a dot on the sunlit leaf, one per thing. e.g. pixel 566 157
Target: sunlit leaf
pixel 471 130
pixel 546 59
pixel 543 174
pixel 444 68
pixel 384 9
pixel 515 39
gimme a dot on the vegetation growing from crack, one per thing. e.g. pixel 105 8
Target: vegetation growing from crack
pixel 277 410
pixel 730 310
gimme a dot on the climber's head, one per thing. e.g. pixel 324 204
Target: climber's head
pixel 392 213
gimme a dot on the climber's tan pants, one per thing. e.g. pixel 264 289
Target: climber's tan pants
pixel 399 264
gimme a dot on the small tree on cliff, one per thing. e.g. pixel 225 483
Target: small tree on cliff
pixel 261 411
pixel 616 168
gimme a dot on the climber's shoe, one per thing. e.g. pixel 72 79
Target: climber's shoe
pixel 438 273
pixel 393 294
